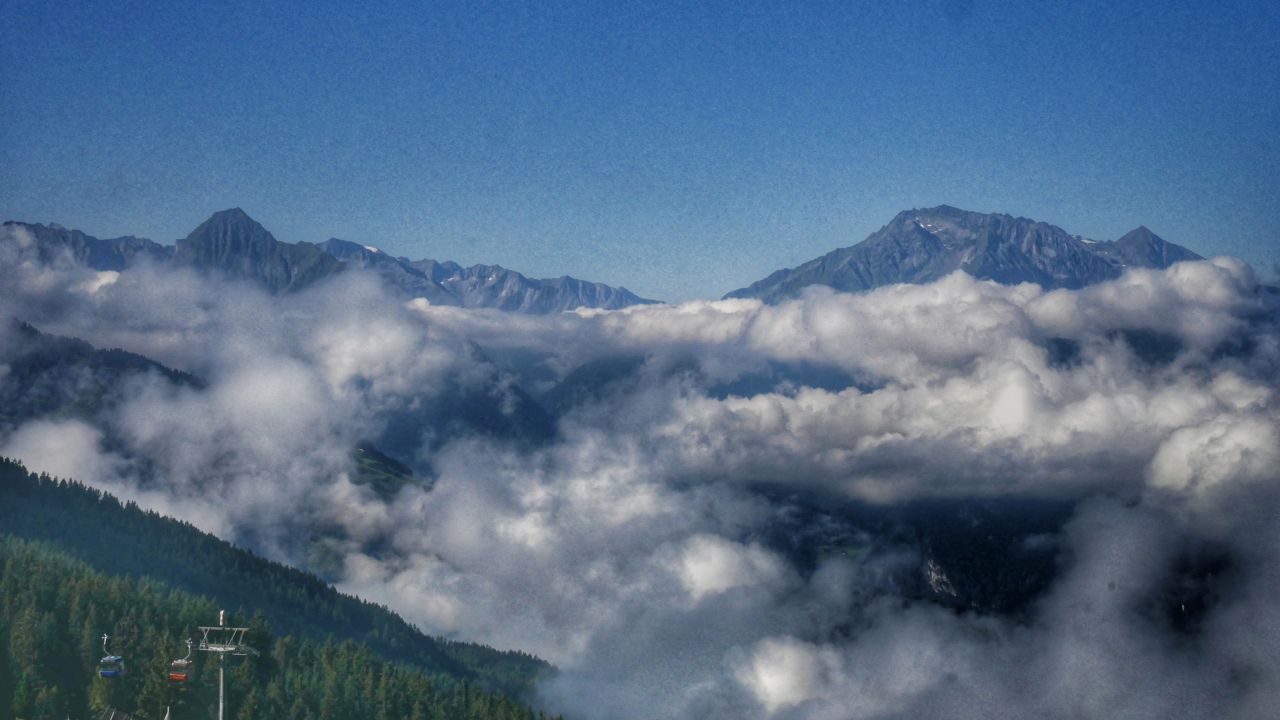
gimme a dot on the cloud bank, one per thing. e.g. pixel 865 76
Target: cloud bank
pixel 713 524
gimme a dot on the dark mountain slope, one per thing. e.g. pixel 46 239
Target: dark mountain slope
pixel 55 608
pixel 125 540
pixel 234 244
pixel 59 377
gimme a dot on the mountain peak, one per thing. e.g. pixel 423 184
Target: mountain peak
pixel 945 209
pixel 232 213
pixel 924 244
pixel 1142 248
pixel 1140 234
pixel 235 245
pixel 233 220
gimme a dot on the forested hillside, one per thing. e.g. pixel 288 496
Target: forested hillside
pixel 53 610
pixel 123 539
pixel 49 376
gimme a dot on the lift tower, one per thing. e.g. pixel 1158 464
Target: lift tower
pixel 223 641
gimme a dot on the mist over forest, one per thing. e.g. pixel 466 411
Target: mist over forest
pixel 951 499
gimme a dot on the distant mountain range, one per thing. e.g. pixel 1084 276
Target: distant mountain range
pixel 483 286
pixel 232 244
pixel 919 246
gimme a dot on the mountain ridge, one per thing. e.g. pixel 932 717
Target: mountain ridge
pixel 917 246
pixel 925 244
pixel 481 285
pixel 232 244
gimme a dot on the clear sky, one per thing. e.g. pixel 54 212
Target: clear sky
pixel 681 150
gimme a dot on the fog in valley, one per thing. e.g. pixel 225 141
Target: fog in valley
pixel 958 499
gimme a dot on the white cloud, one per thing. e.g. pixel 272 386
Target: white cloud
pixel 68 449
pixel 782 672
pixel 708 565
pixel 657 549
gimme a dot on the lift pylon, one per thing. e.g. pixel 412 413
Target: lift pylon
pixel 223 641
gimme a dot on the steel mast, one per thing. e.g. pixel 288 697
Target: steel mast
pixel 224 641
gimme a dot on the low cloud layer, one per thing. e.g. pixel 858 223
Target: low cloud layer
pixel 696 535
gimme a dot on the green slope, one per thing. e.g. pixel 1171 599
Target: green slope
pixel 122 539
pixel 53 608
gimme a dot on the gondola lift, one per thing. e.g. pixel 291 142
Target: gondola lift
pixel 180 670
pixel 110 666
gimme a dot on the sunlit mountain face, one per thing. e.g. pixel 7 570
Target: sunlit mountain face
pixel 974 466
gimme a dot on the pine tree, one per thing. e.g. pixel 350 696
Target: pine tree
pixel 54 610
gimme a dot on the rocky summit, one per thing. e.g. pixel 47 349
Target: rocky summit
pixel 919 246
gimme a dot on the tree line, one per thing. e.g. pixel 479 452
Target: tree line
pixel 78 563
pixel 123 539
pixel 54 609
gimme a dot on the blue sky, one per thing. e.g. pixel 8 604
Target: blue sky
pixel 682 150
